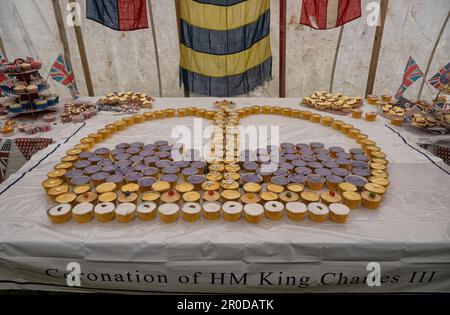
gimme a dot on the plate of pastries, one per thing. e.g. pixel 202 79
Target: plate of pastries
pixel 427 117
pixel 336 103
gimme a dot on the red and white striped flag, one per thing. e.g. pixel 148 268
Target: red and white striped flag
pixel 326 14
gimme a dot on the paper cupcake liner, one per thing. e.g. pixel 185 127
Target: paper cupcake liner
pixel 148 216
pixel 211 215
pixel 272 215
pixel 232 217
pixel 254 219
pixel 125 218
pixel 83 218
pixel 169 218
pixel 338 218
pixel 317 218
pixel 191 217
pixel 104 217
pixel 296 216
pixel 59 219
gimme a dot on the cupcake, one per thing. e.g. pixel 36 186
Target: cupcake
pixel 125 212
pixel 147 211
pixel 315 182
pixel 83 212
pixel 253 212
pixel 370 200
pixel 87 196
pixel 170 196
pixel 169 212
pixel 273 210
pixel 211 195
pixel 371 116
pixel 60 213
pixel 351 199
pixel 232 210
pixel 329 197
pixel 339 212
pixel 230 195
pixel 267 196
pixel 191 211
pixel 151 196
pixel 104 212
pixel 318 212
pixel 211 210
pixel 67 197
pixel 296 210
pixel 309 197
pixel 288 196
pixel 161 186
pixel 191 196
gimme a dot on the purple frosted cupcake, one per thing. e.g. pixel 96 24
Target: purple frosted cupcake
pixel 133 150
pixel 359 164
pixel 199 165
pixel 151 171
pixel 308 158
pixel 170 178
pixel 122 156
pixel 189 171
pixel 303 170
pixel 102 151
pixel 343 163
pixel 114 152
pixel 316 145
pixel 358 181
pixel 136 159
pixel 124 170
pixel 250 167
pixel 151 160
pixel 160 143
pixel 170 170
pixel 285 145
pixel 299 163
pixel 95 159
pixel 162 154
pixel 323 158
pixel 80 180
pixel 344 155
pixel 163 163
pixel 196 180
pixel 167 147
pixel 290 156
pixel 286 165
pixel 133 177
pixel 99 178
pixel 150 146
pixel 251 178
pixel 363 172
pixel 82 164
pixel 332 182
pixel 315 181
pixel 302 146
pixel 181 164
pixel 321 151
pixel 73 173
pixel 85 155
pixel 279 180
pixel 106 162
pixel 92 170
pixel 335 150
pixel 122 146
pixel 339 172
pixel 360 157
pixel 109 168
pixel 297 178
pixel 281 172
pixel 116 179
pixel 137 144
pixel 306 152
pixel 315 165
pixel 330 164
pixel 140 167
pixel 145 183
pixel 123 163
pixel 322 171
pixel 355 151
pixel 146 153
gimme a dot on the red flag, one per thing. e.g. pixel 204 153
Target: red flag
pixel 326 14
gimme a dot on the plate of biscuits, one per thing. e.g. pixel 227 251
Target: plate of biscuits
pixel 336 103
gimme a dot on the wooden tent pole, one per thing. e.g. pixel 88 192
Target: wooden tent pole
pixel 155 45
pixel 2 49
pixel 282 57
pixel 438 39
pixel 177 9
pixel 62 32
pixel 376 48
pixel 83 57
pixel 336 54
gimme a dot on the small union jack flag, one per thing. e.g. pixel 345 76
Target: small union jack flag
pixel 411 75
pixel 440 78
pixel 3 77
pixel 62 73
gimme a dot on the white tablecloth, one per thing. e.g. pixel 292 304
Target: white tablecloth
pixel 408 236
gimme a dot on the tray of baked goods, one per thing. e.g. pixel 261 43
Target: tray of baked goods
pixel 336 103
pixel 428 119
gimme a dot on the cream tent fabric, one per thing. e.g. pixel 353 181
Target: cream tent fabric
pixel 126 60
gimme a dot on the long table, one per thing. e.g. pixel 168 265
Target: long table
pixel 406 241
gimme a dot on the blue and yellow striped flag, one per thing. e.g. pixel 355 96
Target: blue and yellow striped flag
pixel 225 46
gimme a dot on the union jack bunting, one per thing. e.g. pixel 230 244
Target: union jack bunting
pixel 62 73
pixel 3 77
pixel 442 77
pixel 411 75
pixel 3 59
